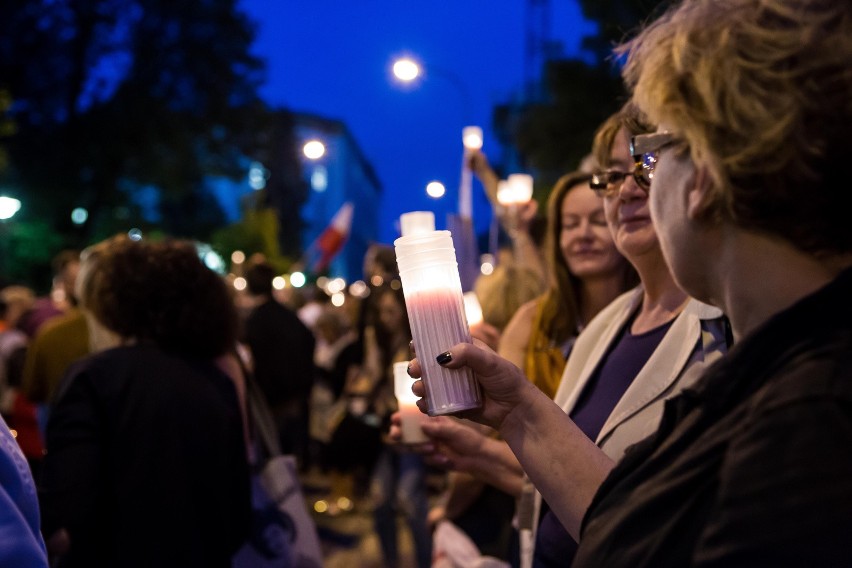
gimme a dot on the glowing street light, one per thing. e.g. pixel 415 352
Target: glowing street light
pixel 8 207
pixel 314 149
pixel 406 69
pixel 435 189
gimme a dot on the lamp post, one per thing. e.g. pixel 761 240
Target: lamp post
pixel 408 70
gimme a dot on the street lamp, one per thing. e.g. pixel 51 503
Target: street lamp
pixel 435 189
pixel 408 69
pixel 313 149
pixel 8 207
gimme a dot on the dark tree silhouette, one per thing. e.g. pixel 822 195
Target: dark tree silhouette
pixel 113 99
pixel 553 135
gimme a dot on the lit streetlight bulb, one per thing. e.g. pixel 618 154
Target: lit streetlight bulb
pixel 435 189
pixel 8 207
pixel 406 69
pixel 314 150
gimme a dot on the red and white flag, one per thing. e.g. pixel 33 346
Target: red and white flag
pixel 323 250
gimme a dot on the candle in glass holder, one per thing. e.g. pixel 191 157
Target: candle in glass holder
pixel 433 300
pixel 522 187
pixel 410 415
pixel 472 137
pixel 472 308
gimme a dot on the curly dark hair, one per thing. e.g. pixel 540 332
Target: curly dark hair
pixel 161 292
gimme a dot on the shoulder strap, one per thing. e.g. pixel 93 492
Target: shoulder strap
pixel 260 417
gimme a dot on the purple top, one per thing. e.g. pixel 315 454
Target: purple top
pixel 606 386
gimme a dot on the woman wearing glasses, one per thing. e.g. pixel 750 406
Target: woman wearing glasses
pixel 749 194
pixel 647 345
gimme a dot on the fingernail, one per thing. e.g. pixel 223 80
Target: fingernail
pixel 444 358
pixel 408 369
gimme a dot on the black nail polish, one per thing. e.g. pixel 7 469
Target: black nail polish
pixel 444 358
pixel 408 369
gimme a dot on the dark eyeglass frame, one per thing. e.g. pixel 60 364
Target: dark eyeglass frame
pixel 607 183
pixel 644 148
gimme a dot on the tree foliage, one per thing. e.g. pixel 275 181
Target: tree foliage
pixel 113 98
pixel 553 135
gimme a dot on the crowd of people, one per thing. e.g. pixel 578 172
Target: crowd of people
pixel 665 367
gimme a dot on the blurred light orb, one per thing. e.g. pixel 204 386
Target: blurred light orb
pixel 79 216
pixel 319 179
pixel 210 258
pixel 257 176
pixel 435 189
pixel 314 149
pixel 338 299
pixel 279 283
pixel 8 207
pixel 336 285
pixel 395 284
pixel 135 234
pixel 238 257
pixel 240 283
pixel 297 279
pixel 377 280
pixel 359 289
pixel 406 69
pixel 486 264
pixel 472 137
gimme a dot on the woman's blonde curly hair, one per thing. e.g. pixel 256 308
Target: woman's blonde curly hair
pixel 761 91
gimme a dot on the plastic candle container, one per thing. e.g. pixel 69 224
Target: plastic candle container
pixel 433 298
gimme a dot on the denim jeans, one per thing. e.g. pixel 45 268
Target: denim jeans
pixel 399 486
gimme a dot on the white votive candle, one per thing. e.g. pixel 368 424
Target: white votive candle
pixel 410 415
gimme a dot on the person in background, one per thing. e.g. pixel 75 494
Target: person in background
pixel 398 483
pixel 146 459
pixel 14 301
pixel 65 266
pixel 747 179
pixel 342 453
pixel 282 351
pixel 60 337
pixel 587 272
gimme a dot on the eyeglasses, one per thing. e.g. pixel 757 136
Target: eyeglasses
pixel 607 184
pixel 644 149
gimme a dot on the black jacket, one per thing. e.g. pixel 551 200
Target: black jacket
pixel 146 463
pixel 751 468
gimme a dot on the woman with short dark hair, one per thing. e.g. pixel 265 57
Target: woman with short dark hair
pixel 146 460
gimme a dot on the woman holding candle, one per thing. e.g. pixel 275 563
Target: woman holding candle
pixel 646 345
pixel 399 478
pixel 587 272
pixel 748 187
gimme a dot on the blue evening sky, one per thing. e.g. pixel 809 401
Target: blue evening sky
pixel 333 58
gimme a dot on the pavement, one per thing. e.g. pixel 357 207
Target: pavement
pixel 348 539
